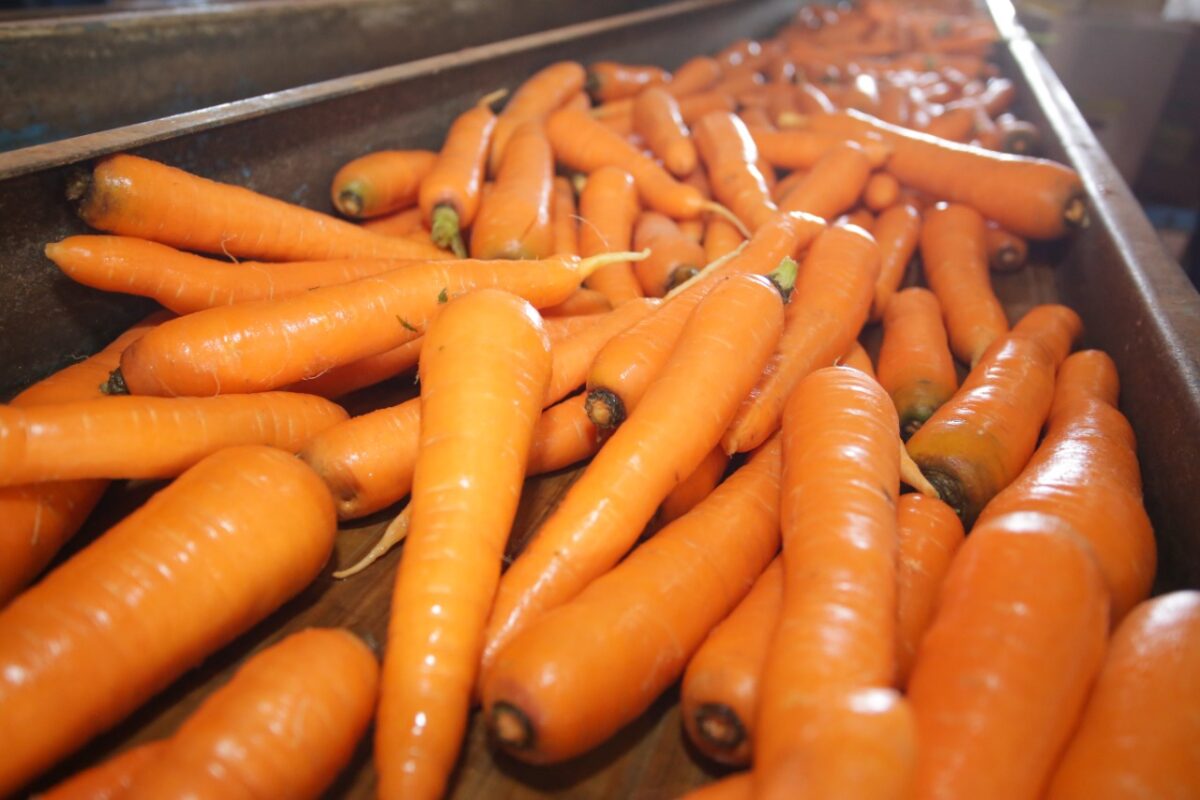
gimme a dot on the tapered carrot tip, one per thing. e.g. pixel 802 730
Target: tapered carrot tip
pixel 784 277
pixel 911 474
pixel 719 726
pixel 395 533
pixel 604 408
pixel 681 275
pixel 445 232
pixel 1075 213
pixel 578 182
pixel 592 263
pixel 510 727
pixel 350 199
pixel 115 383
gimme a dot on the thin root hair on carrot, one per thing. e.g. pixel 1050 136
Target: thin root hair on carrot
pixel 395 533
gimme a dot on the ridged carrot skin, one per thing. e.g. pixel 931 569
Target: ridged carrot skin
pixel 484 374
pixel 657 120
pixel 1002 674
pixel 979 440
pixel 1085 472
pixel 929 534
pixel 674 257
pixel 723 346
pixel 897 231
pixel 109 780
pixel 185 283
pixel 829 307
pixel 719 696
pixel 856 357
pixel 40 518
pixel 99 438
pixel 381 183
pixel 543 92
pixel 833 185
pixel 566 226
pixel 730 157
pixel 1140 731
pixel 609 208
pixel 695 487
pixel 202 561
pixel 915 365
pixel 261 345
pixel 836 632
pixel 284 726
pixel 610 80
pixel 553 693
pixel 954 260
pixel 134 196
pixel 514 219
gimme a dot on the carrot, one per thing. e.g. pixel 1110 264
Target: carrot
pixel 368 461
pixel 609 208
pixel 580 302
pixel 719 696
pixel 1085 473
pixel 979 440
pixel 514 220
pixel 694 106
pixel 40 518
pixel 770 177
pixel 823 716
pixel 833 185
pixel 696 75
pixel 380 183
pixel 483 379
pixel 566 224
pixel 729 157
pixel 896 230
pixel 1032 197
pixel 284 725
pixel 673 256
pixel 915 365
pixel 546 90
pixel 450 193
pixel 882 191
pixel 1003 672
pixel 813 100
pixel 739 786
pixel 231 539
pixel 754 116
pixel 720 239
pixel 261 345
pixel 149 437
pixel 657 120
pixel 954 259
pixel 627 365
pixel 342 380
pixel 1140 734
pixel 789 182
pixel 722 347
pixel 1006 251
pixel 929 535
pixel 135 196
pixel 400 223
pixel 857 358
pixel 695 487
pixel 859 217
pixel 802 149
pixel 833 295
pixel 552 694
pixel 1018 136
pixel 106 781
pixel 956 123
pixel 610 80
pixel 185 283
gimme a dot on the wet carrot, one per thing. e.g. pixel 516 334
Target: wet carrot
pixel 580 302
pixel 609 207
pixel 859 217
pixel 915 365
pixel 673 257
pixel 833 185
pixel 696 75
pixel 657 120
pixel 882 191
pixel 339 381
pixel 1006 251
pixel 1085 473
pixel 483 379
pixel 514 219
pixel 1140 733
pixel 694 106
pixel 695 487
pixel 551 694
pixel 401 223
pixel 954 260
pixel 789 182
pixel 1004 670
pixel 896 230
pixel 284 726
pixel 135 196
pixel 610 80
pixel 730 158
pixel 236 535
pixel 380 183
pixel 545 91
pixel 857 358
pixel 565 221
pixel 108 780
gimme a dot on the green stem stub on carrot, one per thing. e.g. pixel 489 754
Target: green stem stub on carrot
pixel 446 232
pixel 784 277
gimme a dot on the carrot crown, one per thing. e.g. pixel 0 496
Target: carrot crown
pixel 784 277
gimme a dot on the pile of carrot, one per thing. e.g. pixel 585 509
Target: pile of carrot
pixel 921 572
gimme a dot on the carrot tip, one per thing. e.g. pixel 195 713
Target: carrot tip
pixel 115 383
pixel 395 533
pixel 719 726
pixel 350 199
pixel 911 474
pixel 491 98
pixel 578 182
pixel 592 263
pixel 681 275
pixel 1075 212
pixel 510 727
pixel 604 408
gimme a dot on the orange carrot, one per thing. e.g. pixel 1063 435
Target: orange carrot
pixel 563 436
pixel 1085 473
pixel 1140 732
pixel 380 183
pixel 552 694
pixel 202 561
pixel 134 196
pixel 859 217
pixel 730 158
pixel 610 80
pixel 857 358
pixel 514 219
pixel 1006 251
pixel 580 302
pixel 915 365
pixel 720 239
pixel 401 223
pixel 739 786
pixel 342 380
pixel 694 106
pixel 1018 136
pixel 788 183
pixel 754 117
pixel 882 191
pixel 719 696
pixel 185 283
pixel 833 185
pixel 40 518
pixel 801 149
pixel 566 224
pixel 106 781
pixel 284 726
pixel 695 487
pixel 1003 672
pixel 833 295
pixel 956 123
pixel 657 120
pixel 823 715
pixel 696 75
pixel 609 207
pixel 545 91
pixel 979 440
pixel 673 256
pixel 896 230
pixel 723 346
pixel 260 345
pixel 813 100
pixel 450 193
pixel 929 534
pixel 483 378
pixel 954 259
